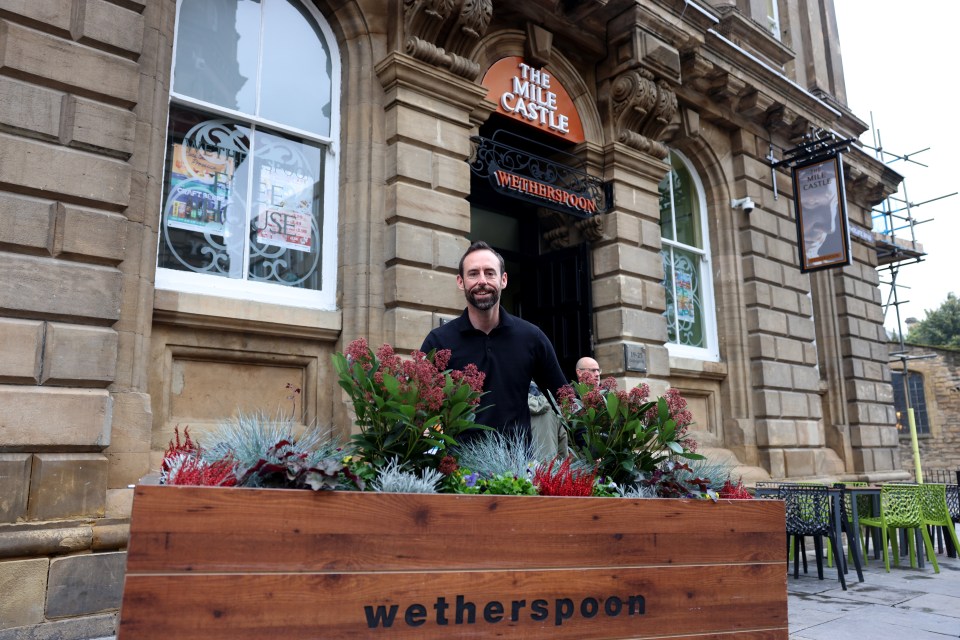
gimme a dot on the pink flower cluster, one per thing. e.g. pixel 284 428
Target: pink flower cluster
pixel 417 373
pixel 595 397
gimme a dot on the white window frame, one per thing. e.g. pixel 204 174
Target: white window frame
pixel 214 285
pixel 711 351
pixel 772 13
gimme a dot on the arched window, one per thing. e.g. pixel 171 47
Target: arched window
pixel 918 402
pixel 691 324
pixel 250 182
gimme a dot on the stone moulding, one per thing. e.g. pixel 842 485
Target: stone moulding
pixel 254 563
pixel 439 31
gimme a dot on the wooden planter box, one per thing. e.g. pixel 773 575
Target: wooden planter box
pixel 272 563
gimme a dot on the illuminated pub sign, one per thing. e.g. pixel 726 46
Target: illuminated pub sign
pixel 533 96
pixel 822 228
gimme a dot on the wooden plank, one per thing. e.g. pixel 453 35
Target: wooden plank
pixel 241 563
pixel 748 600
pixel 172 529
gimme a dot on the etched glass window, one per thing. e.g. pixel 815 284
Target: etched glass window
pixel 249 206
pixel 918 403
pixel 691 328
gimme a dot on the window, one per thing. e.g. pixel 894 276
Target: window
pixel 918 403
pixel 250 185
pixel 691 328
pixel 773 18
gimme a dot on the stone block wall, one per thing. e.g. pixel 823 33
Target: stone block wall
pixel 74 78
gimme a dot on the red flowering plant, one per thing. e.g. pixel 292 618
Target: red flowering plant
pixel 623 433
pixel 184 464
pixel 558 478
pixel 408 409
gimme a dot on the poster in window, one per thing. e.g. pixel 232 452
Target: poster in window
pixel 285 217
pixel 200 189
pixel 685 302
pixel 822 231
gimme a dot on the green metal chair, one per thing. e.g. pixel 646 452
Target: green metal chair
pixel 936 513
pixel 901 507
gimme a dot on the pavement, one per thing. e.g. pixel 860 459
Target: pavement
pixel 912 603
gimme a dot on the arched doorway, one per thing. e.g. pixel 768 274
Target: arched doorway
pixel 548 280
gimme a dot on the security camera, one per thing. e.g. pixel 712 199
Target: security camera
pixel 743 203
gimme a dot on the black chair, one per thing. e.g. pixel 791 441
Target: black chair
pixel 808 514
pixel 953 506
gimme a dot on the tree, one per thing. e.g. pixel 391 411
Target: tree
pixel 941 327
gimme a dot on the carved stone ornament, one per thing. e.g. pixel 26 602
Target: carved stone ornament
pixel 438 32
pixel 642 110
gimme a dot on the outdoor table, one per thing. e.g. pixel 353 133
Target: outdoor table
pixel 836 498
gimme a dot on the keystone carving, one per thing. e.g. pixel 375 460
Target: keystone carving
pixel 642 110
pixel 438 32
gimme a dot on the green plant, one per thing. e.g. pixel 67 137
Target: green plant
pixel 503 484
pixel 412 409
pixel 622 432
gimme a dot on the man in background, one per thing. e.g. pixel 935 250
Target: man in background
pixel 588 371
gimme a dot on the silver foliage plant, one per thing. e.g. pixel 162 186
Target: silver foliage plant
pixel 392 478
pixel 493 454
pixel 636 491
pixel 249 438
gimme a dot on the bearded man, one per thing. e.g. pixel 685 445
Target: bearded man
pixel 509 350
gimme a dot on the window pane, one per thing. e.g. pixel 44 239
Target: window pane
pixel 684 289
pixel 204 211
pixel 686 207
pixel 295 85
pixel 217 49
pixel 666 205
pixel 285 234
pixel 918 403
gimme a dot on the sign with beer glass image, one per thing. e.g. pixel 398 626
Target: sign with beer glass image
pixel 822 230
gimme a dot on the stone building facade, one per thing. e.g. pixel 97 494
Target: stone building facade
pixel 935 374
pixel 114 329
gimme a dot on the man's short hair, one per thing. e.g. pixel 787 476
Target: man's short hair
pixel 480 245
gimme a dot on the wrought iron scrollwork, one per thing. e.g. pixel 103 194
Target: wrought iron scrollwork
pixel 490 156
pixel 215 242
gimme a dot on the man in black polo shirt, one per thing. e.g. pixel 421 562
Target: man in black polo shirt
pixel 509 350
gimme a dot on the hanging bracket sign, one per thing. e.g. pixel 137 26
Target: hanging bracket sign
pixel 822 227
pixel 517 173
pixel 820 204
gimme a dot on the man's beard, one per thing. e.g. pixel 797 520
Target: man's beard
pixel 486 303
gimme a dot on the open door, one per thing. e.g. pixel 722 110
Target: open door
pixel 564 309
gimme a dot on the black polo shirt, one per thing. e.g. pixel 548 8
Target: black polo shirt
pixel 512 355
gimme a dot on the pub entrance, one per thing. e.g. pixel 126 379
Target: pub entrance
pixel 546 285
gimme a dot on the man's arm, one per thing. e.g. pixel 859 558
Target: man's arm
pixel 430 342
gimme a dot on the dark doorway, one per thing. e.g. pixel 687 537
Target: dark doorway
pixel 550 288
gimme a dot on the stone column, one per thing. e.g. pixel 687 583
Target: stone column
pixel 426 216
